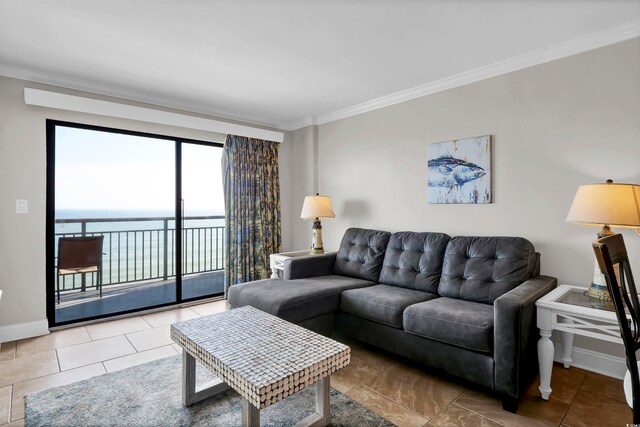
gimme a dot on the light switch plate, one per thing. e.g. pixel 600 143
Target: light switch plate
pixel 22 206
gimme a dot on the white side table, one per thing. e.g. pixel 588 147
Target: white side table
pixel 276 261
pixel 568 310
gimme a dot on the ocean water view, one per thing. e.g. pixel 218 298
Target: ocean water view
pixel 139 245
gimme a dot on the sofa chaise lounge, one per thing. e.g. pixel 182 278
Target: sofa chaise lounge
pixel 464 305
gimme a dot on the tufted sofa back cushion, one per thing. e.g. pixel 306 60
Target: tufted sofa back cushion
pixel 361 253
pixel 414 260
pixel 483 268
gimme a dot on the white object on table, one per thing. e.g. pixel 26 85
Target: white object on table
pixel 276 261
pixel 568 310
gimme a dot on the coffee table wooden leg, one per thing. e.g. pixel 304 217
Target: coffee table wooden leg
pixel 189 393
pixel 323 402
pixel 250 414
pixel 323 406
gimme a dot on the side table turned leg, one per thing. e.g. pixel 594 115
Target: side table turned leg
pixel 567 346
pixel 545 360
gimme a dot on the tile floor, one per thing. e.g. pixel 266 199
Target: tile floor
pixel 398 390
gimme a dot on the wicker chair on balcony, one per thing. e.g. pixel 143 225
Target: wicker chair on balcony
pixel 80 255
pixel 611 251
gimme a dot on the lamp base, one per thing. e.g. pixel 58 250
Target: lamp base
pixel 598 289
pixel 316 244
pixel 596 292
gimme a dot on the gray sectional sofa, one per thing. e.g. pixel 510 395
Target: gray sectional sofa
pixel 464 305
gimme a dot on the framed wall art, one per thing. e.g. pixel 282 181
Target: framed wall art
pixel 459 171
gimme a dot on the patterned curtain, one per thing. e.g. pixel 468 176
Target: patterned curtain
pixel 252 208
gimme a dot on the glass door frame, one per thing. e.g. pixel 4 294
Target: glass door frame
pixel 50 217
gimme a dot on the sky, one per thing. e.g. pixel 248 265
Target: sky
pixel 107 171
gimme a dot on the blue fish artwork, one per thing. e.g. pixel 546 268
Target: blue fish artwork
pixel 460 171
pixel 448 171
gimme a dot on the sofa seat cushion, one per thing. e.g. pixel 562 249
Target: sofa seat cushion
pixel 382 303
pixel 465 324
pixel 294 300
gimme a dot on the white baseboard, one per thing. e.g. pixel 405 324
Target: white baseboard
pixel 600 363
pixel 20 331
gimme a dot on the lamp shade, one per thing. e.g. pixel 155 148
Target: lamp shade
pixel 317 207
pixel 615 205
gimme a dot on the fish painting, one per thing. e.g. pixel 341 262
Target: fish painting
pixel 460 171
pixel 448 171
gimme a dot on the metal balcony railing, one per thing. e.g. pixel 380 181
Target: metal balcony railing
pixel 142 249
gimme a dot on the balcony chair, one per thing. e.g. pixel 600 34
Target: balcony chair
pixel 80 255
pixel 611 251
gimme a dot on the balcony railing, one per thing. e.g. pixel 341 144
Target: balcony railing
pixel 143 249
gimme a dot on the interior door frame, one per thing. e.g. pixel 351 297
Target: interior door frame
pixel 50 216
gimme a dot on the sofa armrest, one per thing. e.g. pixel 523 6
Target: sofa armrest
pixel 309 266
pixel 516 334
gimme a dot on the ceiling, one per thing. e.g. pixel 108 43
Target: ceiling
pixel 283 63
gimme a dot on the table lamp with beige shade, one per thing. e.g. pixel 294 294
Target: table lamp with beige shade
pixel 316 207
pixel 605 205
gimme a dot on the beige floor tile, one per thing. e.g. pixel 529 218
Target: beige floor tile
pixel 386 408
pixel 94 351
pixel 114 328
pixel 28 367
pixel 565 382
pixel 56 339
pixel 353 375
pixel 455 415
pixel 490 407
pixel 61 378
pixel 415 389
pixel 533 406
pixel 152 338
pixel 210 307
pixel 5 404
pixel 374 358
pixel 17 423
pixel 177 348
pixel 592 410
pixel 604 386
pixel 139 358
pixel 7 350
pixel 163 318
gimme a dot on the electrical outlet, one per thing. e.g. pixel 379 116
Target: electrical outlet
pixel 22 206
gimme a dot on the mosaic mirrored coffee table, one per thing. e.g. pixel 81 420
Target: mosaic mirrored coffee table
pixel 260 356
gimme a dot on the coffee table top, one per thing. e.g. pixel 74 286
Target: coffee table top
pixel 262 357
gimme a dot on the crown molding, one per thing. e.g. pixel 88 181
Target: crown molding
pixel 558 51
pixel 299 124
pixel 561 50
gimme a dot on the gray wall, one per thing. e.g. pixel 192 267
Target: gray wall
pixel 554 126
pixel 22 176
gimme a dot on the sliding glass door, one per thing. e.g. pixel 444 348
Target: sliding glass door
pixel 135 221
pixel 202 221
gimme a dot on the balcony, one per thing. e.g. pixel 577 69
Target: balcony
pixel 139 263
